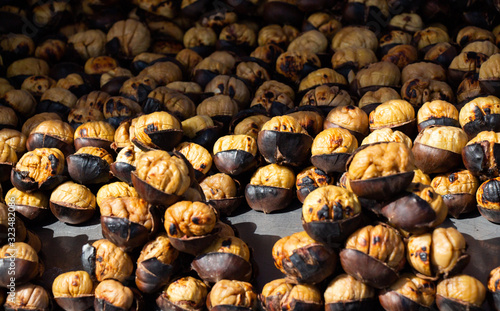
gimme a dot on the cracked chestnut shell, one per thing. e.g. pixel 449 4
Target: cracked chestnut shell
pixel 199 157
pixel 235 154
pixel 270 188
pixel 409 292
pixel 113 295
pixel 237 37
pixel 166 99
pixel 72 203
pixel 464 63
pixel 480 114
pixel 186 293
pixel 125 163
pixel 157 130
pixel 331 148
pixel 330 214
pixel 281 295
pixel 396 114
pixel 419 91
pixel 156 264
pixel 488 199
pixel 104 260
pixel 274 97
pixel 374 255
pixel 128 222
pixel 310 118
pixel 227 257
pixel 439 253
pixel 202 130
pixel 387 135
pixel 493 288
pixel 372 99
pixel 40 169
pixel 29 297
pixel 8 158
pixel 118 108
pixel 26 263
pixel 73 291
pixel 458 190
pixel 94 134
pixel 437 112
pixel 282 140
pixel 482 153
pixel 128 38
pixel 302 259
pixel 435 154
pixel 292 66
pixel 309 179
pixel 377 75
pixel 222 192
pixel 345 292
pixel 417 210
pixel 33 206
pixel 52 134
pixel 326 98
pixel 380 171
pixel 460 293
pixel 488 74
pixel 90 165
pixel 232 295
pixel 219 107
pixel 191 226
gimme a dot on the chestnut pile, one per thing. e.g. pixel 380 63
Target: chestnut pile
pixel 163 117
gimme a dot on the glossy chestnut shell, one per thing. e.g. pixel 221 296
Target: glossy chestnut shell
pixel 333 232
pixel 381 188
pixel 88 169
pixel 213 267
pixel 267 199
pixel 284 147
pixel 234 162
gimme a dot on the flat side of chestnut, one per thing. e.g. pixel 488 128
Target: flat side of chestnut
pixel 80 303
pixel 284 147
pixel 310 264
pixel 88 169
pixel 449 304
pixel 367 269
pixel 368 304
pixel 267 199
pixel 213 267
pixel 234 162
pixel 381 188
pixel 124 233
pixel 333 233
pixel 152 274
pixel 70 213
pixel 151 194
pixel 122 171
pixel 24 271
pixel 331 163
pixel 435 160
pixel 391 300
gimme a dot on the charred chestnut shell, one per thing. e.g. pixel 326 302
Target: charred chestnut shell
pixel 395 298
pixel 72 203
pixel 480 114
pixel 26 264
pixel 238 159
pixel 481 155
pixel 488 199
pixel 267 199
pixel 32 206
pixel 43 136
pixel 90 165
pixel 215 266
pixel 310 179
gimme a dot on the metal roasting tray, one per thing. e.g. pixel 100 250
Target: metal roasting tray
pixel 62 243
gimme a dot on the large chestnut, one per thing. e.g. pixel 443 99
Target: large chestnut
pixel 374 255
pixel 26 264
pixel 303 259
pixel 437 112
pixel 310 179
pixel 73 291
pixel 270 188
pixel 95 133
pixel 125 163
pixel 29 297
pixel 387 135
pixel 282 295
pixel 331 148
pixel 113 295
pixel 274 97
pixel 460 293
pixel 157 130
pixel 488 202
pixel 345 292
pixel 56 99
pixel 115 190
pixel 349 117
pixel 90 165
pixel 202 130
pixel 235 154
pixel 440 253
pixel 199 157
pixel 52 134
pixel 482 153
pixel 8 157
pixel 33 206
pixel 72 203
pixel 396 114
pixel 232 295
pixel 222 192
pixel 480 114
pixel 186 293
pixel 409 292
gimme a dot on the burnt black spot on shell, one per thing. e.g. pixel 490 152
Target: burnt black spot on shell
pixel 337 211
pixel 172 230
pixel 54 162
pixel 491 192
pixel 226 243
pixel 452 177
pixel 323 212
pixel 195 220
pixel 423 256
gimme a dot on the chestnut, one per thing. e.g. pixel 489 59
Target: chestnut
pixel 354 36
pixel 227 257
pixel 157 130
pixel 198 156
pixel 419 91
pixel 217 19
pixel 73 291
pixel 8 158
pixel 230 86
pixel 394 162
pixel 409 292
pixel 200 39
pixel 397 114
pixel 493 288
pixel 72 203
pixel 310 118
pixel 310 179
pixel 118 108
pixel 123 134
pixel 37 85
pixel 94 134
pixel 377 75
pixel 442 53
pixel 161 179
pixel 8 117
pixel 52 134
pixel 426 38
pixel 237 37
pixel 416 210
pixel 326 98
pixel 349 117
pixel 374 255
pixel 345 292
pixel 115 190
pixel 21 101
pixel 90 165
pixel 282 140
pixel 324 22
pixel 267 53
pixel 274 97
pixel 323 76
pixel 436 254
pixel 33 206
pixel 166 99
pixel 480 114
pixel 235 154
pixel 26 264
pixel 125 163
pixel 461 292
pixel 464 63
pixel 281 295
pixel 253 72
pixel 113 295
pixel 94 99
pixel 270 188
pixel 433 154
pixel 104 260
pixel 191 226
pixel 488 78
pixel 401 55
pixel 303 259
pixel 40 169
pixel 219 107
pixel 349 59
pixel 294 65
pixel 387 135
pixel 128 222
pixel 331 148
pixel 487 199
pixel 423 70
pixel 16 46
pixel 29 297
pixel 202 130
pixel 159 73
pixel 480 154
pixel 458 191
pixel 186 293
pixel 437 112
pixel 21 231
pixel 128 38
pixel 23 68
pixel 222 192
pixel 15 139
pixel 232 295
pixel 112 80
pixel 372 99
pixel 249 125
pixel 330 214
pixel 155 264
pixel 219 62
pixel 396 38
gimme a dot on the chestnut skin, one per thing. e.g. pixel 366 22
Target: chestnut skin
pixel 487 197
pixel 90 165
pixel 235 154
pixel 282 295
pixel 460 293
pixel 72 203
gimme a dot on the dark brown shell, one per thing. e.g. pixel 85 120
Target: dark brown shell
pixel 70 214
pixel 459 203
pixel 213 267
pixel 435 160
pixel 331 163
pixel 196 244
pixel 151 194
pixel 284 148
pixel 88 169
pixel 25 270
pixel 122 171
pixel 124 233
pixel 445 121
pixel 353 305
pixel 152 274
pixel 93 142
pixel 392 300
pixel 490 214
pixel 267 199
pixel 80 303
pixel 23 182
pixel 234 162
pixel 479 161
pixel 164 140
pixel 333 232
pixel 448 304
pixel 39 140
pixel 382 188
pixel 274 303
pixel 310 264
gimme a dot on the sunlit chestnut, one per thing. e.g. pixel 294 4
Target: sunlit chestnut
pixel 428 37
pixel 480 114
pixel 157 130
pixel 387 135
pixel 442 53
pixel 347 293
pixel 487 199
pixel 349 117
pixel 186 293
pixel 463 64
pixel 118 108
pixel 202 130
pixel 26 265
pixel 419 91
pixel 115 190
pixel 326 98
pixel 493 289
pixel 248 122
pixel 302 259
pixel 372 99
pixel 52 134
pixel 409 292
pixel 374 255
pixel 480 155
pixel 274 97
pixel 72 203
pixel 104 260
pixel 437 112
pixel 458 190
pixel 94 134
pixel 377 75
pixel 222 192
pixel 90 165
pixel 348 60
pixel 231 86
pixel 423 70
pixel 33 206
pixel 29 297
pixel 232 295
pixel 396 114
pixel 488 75
pixel 331 148
pixel 462 292
pixel 235 154
pixel 282 295
pixel 73 291
pixel 8 158
pixel 113 295
pixel 310 179
pixel 198 156
pixel 127 38
pixel 219 107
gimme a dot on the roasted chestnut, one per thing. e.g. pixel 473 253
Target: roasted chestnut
pixel 379 171
pixel 387 135
pixel 374 255
pixel 423 70
pixel 250 125
pixel 396 114
pixel 8 157
pixel 52 134
pixel 270 188
pixel 419 91
pixel 73 291
pixel 128 222
pixel 156 264
pixel 157 130
pixel 202 130
pixel 96 66
pixel 123 134
pixel 232 294
pixel 442 53
pixel 186 293
pixel 372 99
pixel 347 293
pixel 40 169
pixel 113 295
pixel 480 114
pixel 167 99
pixel 26 265
pixel 219 62
pixel 349 117
pixel 437 112
pixel 222 192
pixel 72 203
pixel 104 260
pixel 125 163
pixel 29 297
pixel 274 97
pixel 409 292
pixel 115 190
pixel 488 76
pixel 493 288
pixel 480 155
pixel 227 257
pixel 37 85
pixel 118 108
pixel 230 86
pixel 159 73
pixel 32 206
pixel 310 179
pixel 461 292
pixel 23 68
pixel 21 101
pixel 219 107
pixel 326 98
pixel 128 38
pixel 294 65
pixel 463 64
pixel 428 37
pixel 348 60
pixel 90 165
pixel 95 133
pixel 281 295
pixel 161 178
pixel 8 117
pixel 401 55
pixel 235 154
pixel 237 37
pixel 198 156
pixel 323 76
pixel 487 199
pixel 377 75
pixel 354 36
pixel 458 190
pixel 310 119
pixel 331 148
